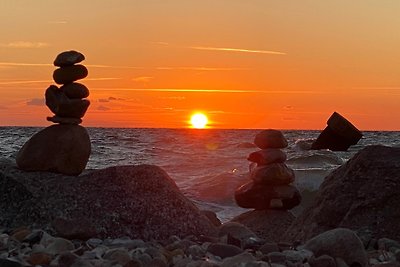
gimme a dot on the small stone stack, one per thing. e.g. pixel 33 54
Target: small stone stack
pixel 270 186
pixel 64 147
pixel 67 102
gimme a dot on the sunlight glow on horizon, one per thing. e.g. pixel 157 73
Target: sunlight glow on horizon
pixel 199 120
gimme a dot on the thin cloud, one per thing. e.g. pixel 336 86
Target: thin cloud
pixel 103 108
pixel 201 68
pixel 51 81
pixel 241 50
pixel 17 64
pixel 24 44
pixel 58 22
pixel 36 102
pixel 189 90
pixel 143 79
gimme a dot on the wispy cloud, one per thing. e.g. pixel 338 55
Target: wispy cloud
pixel 241 50
pixel 143 79
pixel 25 44
pixel 57 22
pixel 17 64
pixel 36 102
pixel 102 108
pixel 11 82
pixel 201 68
pixel 190 90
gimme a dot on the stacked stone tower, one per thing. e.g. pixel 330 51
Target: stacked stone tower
pixel 65 146
pixel 270 185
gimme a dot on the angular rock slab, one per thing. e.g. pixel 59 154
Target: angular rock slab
pixel 339 135
pixel 70 74
pixel 135 201
pixel 59 148
pixel 270 138
pixel 68 58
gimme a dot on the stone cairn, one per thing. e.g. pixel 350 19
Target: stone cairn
pixel 65 146
pixel 270 186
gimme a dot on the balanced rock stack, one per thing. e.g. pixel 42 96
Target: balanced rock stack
pixel 270 186
pixel 64 147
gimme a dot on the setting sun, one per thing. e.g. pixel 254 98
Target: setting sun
pixel 199 121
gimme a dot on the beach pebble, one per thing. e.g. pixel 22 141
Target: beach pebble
pixel 270 139
pixel 298 256
pixel 276 257
pixel 9 263
pixel 267 156
pixel 212 217
pixel 81 228
pixel 59 245
pixel 39 259
pixel 273 174
pixel 61 120
pixel 224 250
pixel 388 244
pixel 68 58
pixel 75 90
pixel 118 255
pixel 58 148
pixel 236 230
pixel 238 260
pixel 70 74
pixel 269 247
pixel 339 243
pixel 323 261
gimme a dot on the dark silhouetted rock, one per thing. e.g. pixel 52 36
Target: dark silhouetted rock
pixel 69 74
pixel 267 224
pixel 75 90
pixel 68 58
pixel 62 106
pixel 258 196
pixel 339 135
pixel 339 243
pixel 141 202
pixel 361 194
pixel 272 174
pixel 270 139
pixel 267 156
pixel 212 217
pixel 59 148
pixel 224 250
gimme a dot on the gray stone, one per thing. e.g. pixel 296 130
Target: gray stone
pixel 212 217
pixel 268 248
pixel 277 257
pixel 70 74
pixel 273 174
pixel 9 263
pixel 236 230
pixel 388 244
pixel 363 193
pixel 224 250
pixel 75 90
pixel 68 58
pixel 270 139
pixel 141 202
pixel 267 156
pixel 238 260
pixel 59 148
pixel 339 243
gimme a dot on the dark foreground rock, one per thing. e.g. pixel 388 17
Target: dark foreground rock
pixel 362 194
pixel 267 224
pixel 136 201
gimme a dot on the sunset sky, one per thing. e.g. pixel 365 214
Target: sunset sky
pixel 244 63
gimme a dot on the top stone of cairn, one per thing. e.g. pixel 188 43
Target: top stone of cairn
pixel 68 58
pixel 270 139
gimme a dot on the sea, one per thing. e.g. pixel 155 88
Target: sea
pixel 206 164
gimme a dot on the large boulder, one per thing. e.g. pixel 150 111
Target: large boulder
pixel 363 193
pixel 136 201
pixel 58 148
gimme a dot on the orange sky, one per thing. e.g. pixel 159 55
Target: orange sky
pixel 246 64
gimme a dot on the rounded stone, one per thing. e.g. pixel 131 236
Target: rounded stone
pixel 273 174
pixel 70 74
pixel 62 106
pixel 62 120
pixel 224 250
pixel 58 148
pixel 75 90
pixel 267 156
pixel 258 196
pixel 68 58
pixel 270 138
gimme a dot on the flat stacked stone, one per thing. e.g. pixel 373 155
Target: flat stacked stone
pixel 270 185
pixel 64 147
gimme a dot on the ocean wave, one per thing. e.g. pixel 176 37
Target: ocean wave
pixel 315 159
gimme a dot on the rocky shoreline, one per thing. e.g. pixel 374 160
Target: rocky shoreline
pixel 137 216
